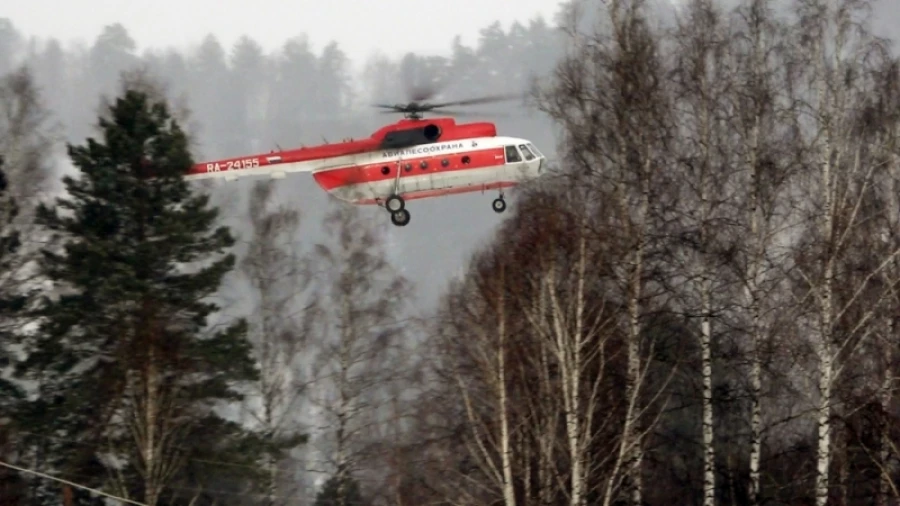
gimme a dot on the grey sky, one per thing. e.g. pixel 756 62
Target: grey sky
pixel 362 27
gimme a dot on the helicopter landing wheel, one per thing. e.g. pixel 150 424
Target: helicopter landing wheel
pixel 394 203
pixel 499 205
pixel 400 218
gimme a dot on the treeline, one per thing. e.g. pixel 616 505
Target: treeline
pixel 242 98
pixel 702 307
pixel 125 368
pixel 698 308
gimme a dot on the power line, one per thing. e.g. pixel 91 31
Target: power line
pixel 70 483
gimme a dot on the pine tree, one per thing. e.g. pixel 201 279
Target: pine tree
pixel 130 372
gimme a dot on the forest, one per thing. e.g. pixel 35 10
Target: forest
pixel 699 305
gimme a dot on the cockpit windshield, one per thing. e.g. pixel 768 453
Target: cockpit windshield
pixel 534 150
pixel 525 151
pixel 512 156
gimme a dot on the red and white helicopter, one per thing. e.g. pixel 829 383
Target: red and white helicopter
pixel 411 159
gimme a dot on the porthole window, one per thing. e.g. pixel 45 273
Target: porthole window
pixel 385 170
pixel 445 162
pixel 408 167
pixel 423 164
pixel 466 159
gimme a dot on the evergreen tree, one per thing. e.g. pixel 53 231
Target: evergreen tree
pixel 135 374
pixel 14 294
pixel 11 305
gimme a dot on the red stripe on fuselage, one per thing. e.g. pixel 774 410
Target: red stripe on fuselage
pixel 330 179
pixel 283 157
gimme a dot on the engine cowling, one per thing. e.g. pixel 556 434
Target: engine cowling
pixel 411 136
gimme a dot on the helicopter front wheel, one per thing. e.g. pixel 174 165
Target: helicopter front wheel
pixel 400 218
pixel 499 205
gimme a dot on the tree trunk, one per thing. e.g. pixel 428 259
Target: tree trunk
pixel 151 420
pixel 509 497
pixel 709 454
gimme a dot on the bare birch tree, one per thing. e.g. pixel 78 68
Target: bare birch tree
pixel 702 77
pixel 575 330
pixel 28 143
pixel 362 331
pixel 280 326
pixel 837 183
pixel 572 333
pixel 608 95
pixel 500 380
pixel 882 112
pixel 761 122
pixel 533 357
pixel 867 296
pixel 27 138
pixel 476 339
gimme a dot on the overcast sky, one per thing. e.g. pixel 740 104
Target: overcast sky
pixel 360 26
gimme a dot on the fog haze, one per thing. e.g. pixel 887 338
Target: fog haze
pixel 267 74
pixel 361 28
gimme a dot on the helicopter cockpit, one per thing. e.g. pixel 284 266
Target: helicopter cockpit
pixel 525 152
pixel 524 158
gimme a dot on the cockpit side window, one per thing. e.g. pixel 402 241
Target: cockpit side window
pixel 525 151
pixel 512 156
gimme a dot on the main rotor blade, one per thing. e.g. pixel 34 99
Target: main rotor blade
pixel 472 114
pixel 481 100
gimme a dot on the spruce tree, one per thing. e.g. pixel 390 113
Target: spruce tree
pixel 11 305
pixel 11 301
pixel 129 370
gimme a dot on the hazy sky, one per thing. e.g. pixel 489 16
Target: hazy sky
pixel 360 26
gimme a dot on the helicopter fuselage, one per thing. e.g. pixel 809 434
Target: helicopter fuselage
pixel 431 159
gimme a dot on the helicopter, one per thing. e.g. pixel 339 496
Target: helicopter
pixel 413 158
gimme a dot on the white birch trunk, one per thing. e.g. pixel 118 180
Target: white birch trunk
pixel 271 462
pixel 758 241
pixel 825 359
pixel 884 452
pixel 823 342
pixel 509 496
pixel 631 431
pixel 751 293
pixel 570 349
pixel 755 394
pixel 630 448
pixel 752 297
pixel 709 453
pixel 492 438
